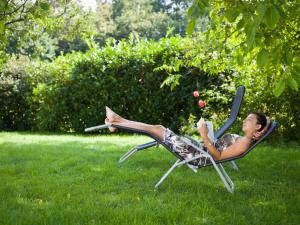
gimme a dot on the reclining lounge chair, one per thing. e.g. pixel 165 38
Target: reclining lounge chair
pixel 181 161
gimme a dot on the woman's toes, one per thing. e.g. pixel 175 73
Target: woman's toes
pixel 107 109
pixel 111 115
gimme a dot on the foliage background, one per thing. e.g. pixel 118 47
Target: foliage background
pixel 60 65
pixel 150 81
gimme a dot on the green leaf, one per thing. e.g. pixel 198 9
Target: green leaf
pixel 172 81
pixel 201 8
pixel 2 5
pixel 287 57
pixel 263 57
pixel 297 60
pixel 279 88
pixel 261 10
pixel 292 83
pixel 2 27
pixel 3 39
pixel 169 31
pixel 271 17
pixel 240 60
pixel 275 54
pixel 205 2
pixel 191 10
pixel 231 14
pixel 250 33
pixel 281 12
pixel 297 68
pixel 240 24
pixel 190 26
pixel 295 72
pixel 45 6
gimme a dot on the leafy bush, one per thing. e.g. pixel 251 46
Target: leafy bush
pixel 15 91
pixel 141 80
pixel 126 76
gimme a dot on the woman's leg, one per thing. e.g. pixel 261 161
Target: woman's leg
pixel 113 118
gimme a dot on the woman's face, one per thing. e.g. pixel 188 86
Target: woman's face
pixel 251 124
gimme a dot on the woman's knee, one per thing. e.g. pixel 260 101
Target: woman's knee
pixel 159 131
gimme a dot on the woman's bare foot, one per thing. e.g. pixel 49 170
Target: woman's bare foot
pixel 111 117
pixel 108 123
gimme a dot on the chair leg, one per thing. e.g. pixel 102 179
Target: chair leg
pixel 128 154
pixel 224 176
pixel 136 149
pixel 234 166
pixel 192 167
pixel 167 173
pixel 227 177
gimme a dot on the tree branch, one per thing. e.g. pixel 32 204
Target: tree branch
pixel 61 14
pixel 14 11
pixel 14 21
pixel 23 8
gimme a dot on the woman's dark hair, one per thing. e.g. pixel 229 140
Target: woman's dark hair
pixel 261 119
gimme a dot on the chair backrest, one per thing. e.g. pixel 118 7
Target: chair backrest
pixel 235 108
pixel 271 128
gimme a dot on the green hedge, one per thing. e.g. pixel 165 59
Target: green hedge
pixel 15 91
pixel 124 76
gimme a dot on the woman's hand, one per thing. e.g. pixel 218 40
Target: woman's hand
pixel 202 128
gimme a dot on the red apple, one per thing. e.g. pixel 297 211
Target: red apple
pixel 202 103
pixel 196 94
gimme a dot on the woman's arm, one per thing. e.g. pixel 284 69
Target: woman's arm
pixel 235 149
pixel 203 131
pixel 210 147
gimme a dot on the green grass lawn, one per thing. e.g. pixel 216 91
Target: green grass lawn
pixel 65 179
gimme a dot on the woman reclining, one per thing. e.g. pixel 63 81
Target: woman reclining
pixel 229 145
